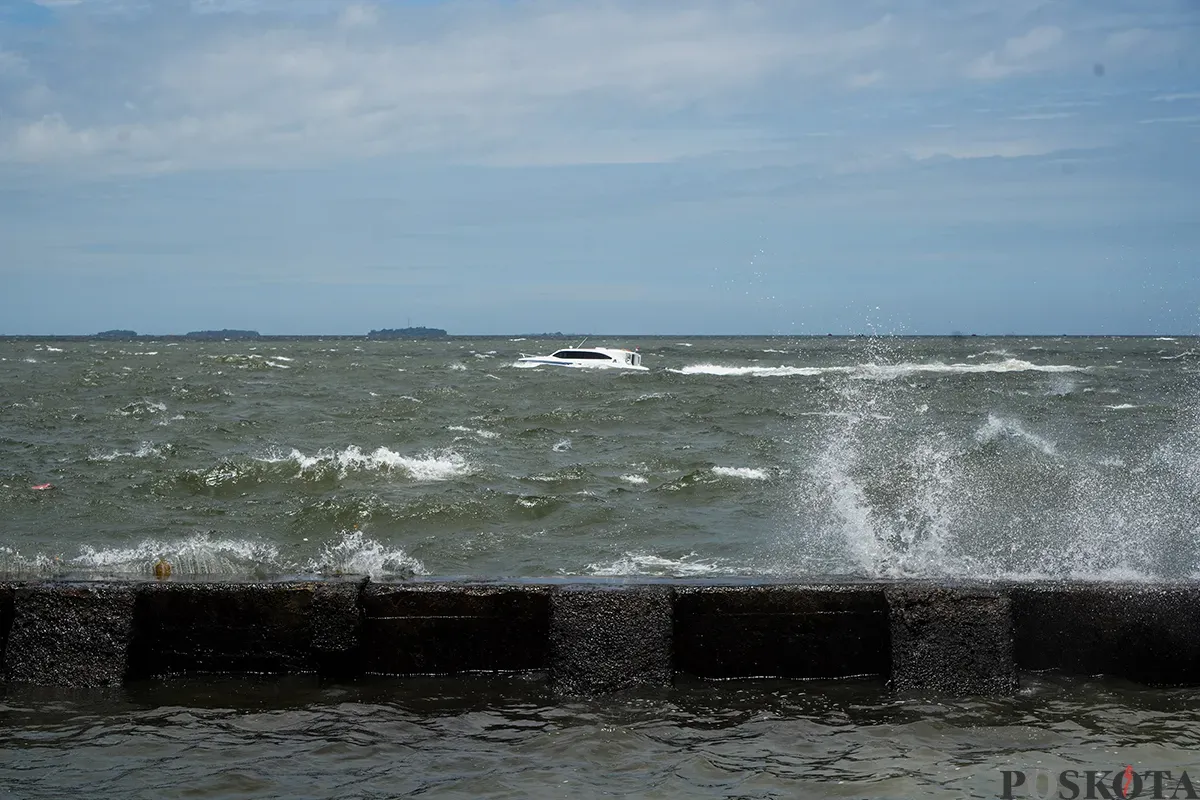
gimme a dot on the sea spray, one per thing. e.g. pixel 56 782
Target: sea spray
pixel 884 494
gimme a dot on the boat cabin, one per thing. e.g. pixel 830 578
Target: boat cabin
pixel 600 354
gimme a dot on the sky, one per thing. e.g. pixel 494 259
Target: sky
pixel 786 167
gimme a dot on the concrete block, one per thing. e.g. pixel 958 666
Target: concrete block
pixel 225 628
pixel 1144 633
pixel 7 591
pixel 337 626
pixel 951 641
pixel 69 634
pixel 439 629
pixel 781 631
pixel 604 639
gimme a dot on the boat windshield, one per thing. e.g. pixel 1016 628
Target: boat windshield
pixel 581 354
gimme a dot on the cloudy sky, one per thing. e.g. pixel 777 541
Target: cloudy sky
pixel 610 166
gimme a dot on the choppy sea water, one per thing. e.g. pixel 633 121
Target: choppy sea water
pixel 963 457
pixel 1017 457
pixel 508 737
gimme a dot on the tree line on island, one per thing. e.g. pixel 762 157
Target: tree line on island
pixel 234 334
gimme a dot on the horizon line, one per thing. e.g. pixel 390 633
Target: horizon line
pixel 560 335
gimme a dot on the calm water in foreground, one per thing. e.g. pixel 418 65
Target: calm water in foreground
pixel 509 737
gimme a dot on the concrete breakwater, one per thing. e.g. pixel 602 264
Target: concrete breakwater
pixel 591 637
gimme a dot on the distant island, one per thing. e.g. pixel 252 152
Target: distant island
pixel 116 334
pixel 407 333
pixel 223 334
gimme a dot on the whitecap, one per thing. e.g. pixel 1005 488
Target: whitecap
pixel 354 553
pixel 424 468
pixel 1002 427
pixel 145 450
pixel 746 473
pixel 647 564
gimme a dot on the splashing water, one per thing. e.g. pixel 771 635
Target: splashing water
pixel 887 495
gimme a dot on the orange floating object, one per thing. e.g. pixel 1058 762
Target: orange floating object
pixel 42 486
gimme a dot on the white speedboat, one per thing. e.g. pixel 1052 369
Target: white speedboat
pixel 611 357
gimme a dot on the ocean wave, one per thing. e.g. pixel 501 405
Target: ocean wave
pixel 203 554
pixel 252 361
pixel 429 466
pixel 719 369
pixel 145 450
pixel 997 428
pixel 745 473
pixel 482 434
pixel 142 408
pixel 880 371
pixel 639 564
pixel 354 553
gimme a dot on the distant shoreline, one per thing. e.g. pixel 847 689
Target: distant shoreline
pixel 269 337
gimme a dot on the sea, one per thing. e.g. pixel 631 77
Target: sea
pixel 964 457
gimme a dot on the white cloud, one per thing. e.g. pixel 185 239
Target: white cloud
pixel 1160 120
pixel 1044 116
pixel 530 82
pixel 1018 54
pixel 1175 98
pixel 865 79
pixel 358 16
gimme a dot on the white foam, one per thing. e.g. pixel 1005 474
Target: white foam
pixel 648 564
pixel 637 480
pixel 50 349
pixel 458 367
pixel 719 369
pixel 880 371
pixel 482 434
pixel 145 450
pixel 1122 406
pixel 562 446
pixel 426 467
pixel 1003 427
pixel 351 552
pixel 354 553
pixel 746 473
pixel 142 407
pixel 197 554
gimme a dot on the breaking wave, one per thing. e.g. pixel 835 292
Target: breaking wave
pixel 427 467
pixel 631 564
pixel 347 553
pixel 880 371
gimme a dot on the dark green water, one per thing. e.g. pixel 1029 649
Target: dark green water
pixel 507 737
pixel 886 457
pixel 748 456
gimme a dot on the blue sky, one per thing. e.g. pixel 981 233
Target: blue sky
pixel 695 166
